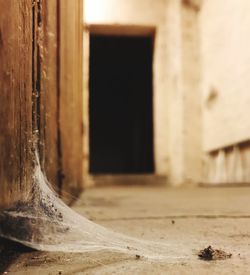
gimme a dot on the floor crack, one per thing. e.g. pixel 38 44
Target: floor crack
pixel 174 217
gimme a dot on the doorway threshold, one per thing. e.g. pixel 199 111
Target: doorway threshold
pixel 127 179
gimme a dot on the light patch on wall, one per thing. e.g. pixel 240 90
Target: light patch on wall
pixel 92 10
pixel 95 10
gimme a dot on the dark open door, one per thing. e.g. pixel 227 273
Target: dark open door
pixel 121 115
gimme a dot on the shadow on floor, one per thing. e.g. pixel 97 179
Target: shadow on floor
pixel 9 252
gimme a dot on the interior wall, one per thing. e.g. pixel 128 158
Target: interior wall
pixel 143 13
pixel 226 96
pixel 226 73
pixel 184 97
pixel 192 95
pixel 229 165
pixel 175 96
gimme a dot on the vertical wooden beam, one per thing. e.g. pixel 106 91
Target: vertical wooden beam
pixel 16 100
pixel 71 101
pixel 60 46
pixel 48 43
pixel 40 89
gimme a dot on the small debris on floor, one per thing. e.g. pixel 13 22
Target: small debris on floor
pixel 210 254
pixel 137 257
pixel 173 221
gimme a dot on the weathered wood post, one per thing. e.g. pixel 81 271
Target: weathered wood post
pixel 40 95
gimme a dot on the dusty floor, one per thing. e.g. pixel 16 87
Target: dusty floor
pixel 187 219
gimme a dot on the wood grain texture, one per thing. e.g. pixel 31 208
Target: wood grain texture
pixel 40 95
pixel 71 101
pixel 15 99
pixel 60 48
pixel 48 55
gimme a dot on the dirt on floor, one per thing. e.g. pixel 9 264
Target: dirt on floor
pixel 193 222
pixel 211 254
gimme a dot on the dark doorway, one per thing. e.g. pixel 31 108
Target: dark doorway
pixel 121 105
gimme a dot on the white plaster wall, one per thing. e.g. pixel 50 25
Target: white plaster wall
pixel 226 72
pixel 174 88
pixel 191 88
pixel 148 13
pixel 183 83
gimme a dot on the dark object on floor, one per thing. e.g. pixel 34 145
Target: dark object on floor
pixel 9 252
pixel 210 254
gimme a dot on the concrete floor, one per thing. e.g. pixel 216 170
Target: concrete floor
pixel 188 219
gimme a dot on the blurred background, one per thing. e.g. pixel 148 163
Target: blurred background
pixel 135 109
pixel 167 83
pixel 149 92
